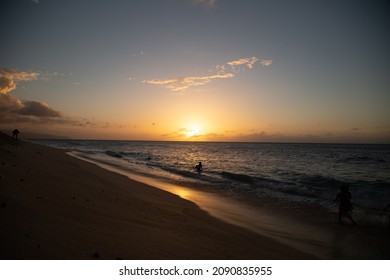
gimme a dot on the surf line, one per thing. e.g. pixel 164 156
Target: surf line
pixel 301 237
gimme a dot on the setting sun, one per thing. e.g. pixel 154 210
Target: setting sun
pixel 193 132
pixel 190 83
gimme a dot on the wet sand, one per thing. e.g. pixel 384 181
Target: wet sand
pixel 54 206
pixel 307 228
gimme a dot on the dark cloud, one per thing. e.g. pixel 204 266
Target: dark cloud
pixel 14 110
pixel 9 103
pixel 38 109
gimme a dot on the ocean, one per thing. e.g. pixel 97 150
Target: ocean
pixel 309 175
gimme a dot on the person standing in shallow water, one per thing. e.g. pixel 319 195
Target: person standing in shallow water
pixel 199 167
pixel 345 207
pixel 15 134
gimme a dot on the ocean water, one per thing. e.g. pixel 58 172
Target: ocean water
pixel 310 174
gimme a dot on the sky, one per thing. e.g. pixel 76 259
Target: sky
pixel 197 70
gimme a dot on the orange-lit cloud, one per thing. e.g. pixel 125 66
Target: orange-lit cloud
pixel 266 62
pixel 183 83
pixel 225 71
pixel 248 61
pixel 8 78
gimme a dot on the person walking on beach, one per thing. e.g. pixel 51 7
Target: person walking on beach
pixel 15 134
pixel 345 207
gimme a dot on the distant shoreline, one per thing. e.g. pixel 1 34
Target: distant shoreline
pixel 174 141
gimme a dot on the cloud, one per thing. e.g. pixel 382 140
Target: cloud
pixel 138 53
pixel 39 109
pixel 204 3
pixel 14 110
pixel 249 62
pixel 9 103
pixel 8 78
pixel 6 85
pixel 183 83
pixel 35 1
pixel 13 107
pixel 182 132
pixel 224 71
pixel 266 62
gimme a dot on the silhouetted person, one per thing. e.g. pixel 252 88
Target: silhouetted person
pixel 199 167
pixel 15 134
pixel 345 207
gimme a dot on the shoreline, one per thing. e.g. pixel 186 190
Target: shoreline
pixel 235 212
pixel 311 229
pixel 55 206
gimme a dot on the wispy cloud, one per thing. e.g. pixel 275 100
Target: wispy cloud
pixel 224 71
pixel 204 3
pixel 266 62
pixel 141 52
pixel 35 1
pixel 183 83
pixel 248 62
pixel 182 132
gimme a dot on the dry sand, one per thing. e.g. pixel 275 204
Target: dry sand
pixel 54 206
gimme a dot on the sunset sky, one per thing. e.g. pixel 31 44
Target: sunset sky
pixel 198 70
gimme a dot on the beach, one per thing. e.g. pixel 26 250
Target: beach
pixel 54 206
pixel 282 191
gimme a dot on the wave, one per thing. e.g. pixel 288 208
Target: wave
pixel 128 155
pixel 292 188
pixel 362 159
pixel 318 181
pixel 238 177
pixel 299 185
pixel 114 154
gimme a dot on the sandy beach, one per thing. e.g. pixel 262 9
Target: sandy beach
pixel 310 228
pixel 54 206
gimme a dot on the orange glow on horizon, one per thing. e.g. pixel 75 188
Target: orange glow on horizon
pixel 193 132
